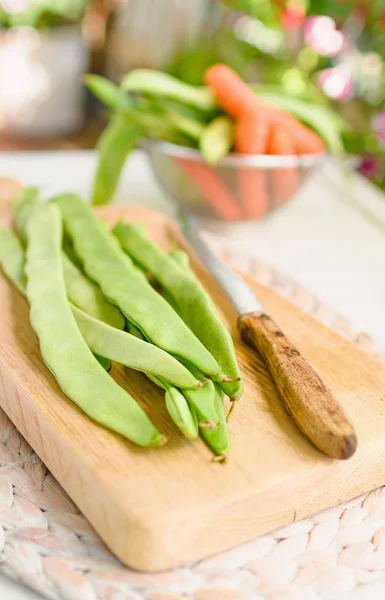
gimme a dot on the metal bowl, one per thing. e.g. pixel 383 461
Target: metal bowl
pixel 238 188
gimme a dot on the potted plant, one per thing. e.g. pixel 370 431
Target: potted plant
pixel 42 59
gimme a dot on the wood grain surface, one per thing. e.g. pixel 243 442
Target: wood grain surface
pixel 164 507
pixel 313 407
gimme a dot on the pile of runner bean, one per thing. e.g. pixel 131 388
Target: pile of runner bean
pixel 223 116
pixel 92 303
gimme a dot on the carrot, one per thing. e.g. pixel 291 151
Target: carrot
pixel 251 138
pixel 283 182
pixel 231 92
pixel 306 141
pixel 235 96
pixel 251 132
pixel 212 188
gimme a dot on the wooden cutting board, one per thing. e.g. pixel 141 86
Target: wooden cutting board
pixel 164 507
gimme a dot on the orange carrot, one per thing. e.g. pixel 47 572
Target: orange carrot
pixel 251 133
pixel 251 138
pixel 232 93
pixel 283 182
pixel 306 141
pixel 212 188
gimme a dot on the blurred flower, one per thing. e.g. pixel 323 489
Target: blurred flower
pixel 337 83
pixel 379 125
pixel 370 166
pixel 255 33
pixel 293 16
pixel 321 35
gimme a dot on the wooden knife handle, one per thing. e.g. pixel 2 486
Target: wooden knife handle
pixel 311 404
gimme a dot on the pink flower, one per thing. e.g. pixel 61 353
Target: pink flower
pixel 370 166
pixel 337 83
pixel 293 16
pixel 322 35
pixel 379 125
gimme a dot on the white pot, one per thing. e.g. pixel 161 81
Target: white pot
pixel 41 89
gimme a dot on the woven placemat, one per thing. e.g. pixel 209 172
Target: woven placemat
pixel 48 545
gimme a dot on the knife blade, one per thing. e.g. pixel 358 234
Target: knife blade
pixel 314 408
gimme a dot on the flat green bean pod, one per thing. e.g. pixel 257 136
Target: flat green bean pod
pixel 109 93
pixel 114 145
pixel 183 415
pixel 134 112
pixel 62 346
pixel 180 412
pixel 185 406
pixel 218 438
pixel 107 342
pixel 126 349
pixel 159 84
pixel 81 291
pixel 12 262
pixel 70 252
pixel 217 139
pixel 190 299
pixel 12 259
pixel 105 362
pixel 106 263
pixel 26 200
pixel 181 258
pixel 186 125
pixel 85 294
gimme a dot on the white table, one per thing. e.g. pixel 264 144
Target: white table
pixel 330 238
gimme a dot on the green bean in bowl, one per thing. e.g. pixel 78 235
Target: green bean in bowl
pixel 99 298
pixel 225 150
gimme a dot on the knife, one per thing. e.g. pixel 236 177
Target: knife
pixel 317 413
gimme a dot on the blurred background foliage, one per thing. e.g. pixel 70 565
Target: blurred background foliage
pixel 41 13
pixel 325 52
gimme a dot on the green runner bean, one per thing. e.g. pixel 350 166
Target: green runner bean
pixel 181 258
pixel 81 291
pixel 105 362
pixel 109 93
pixel 149 118
pixel 183 415
pixel 26 200
pixel 63 348
pixel 107 264
pixel 218 438
pixel 217 139
pixel 152 118
pixel 114 145
pixel 126 349
pixel 12 259
pixel 190 299
pixel 70 252
pixel 185 125
pixel 89 297
pixel 106 342
pixel 159 84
